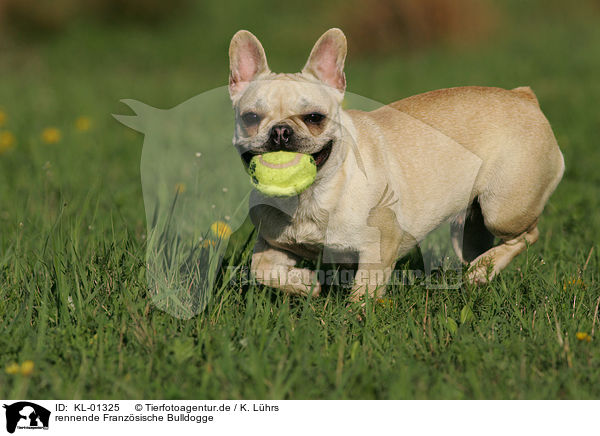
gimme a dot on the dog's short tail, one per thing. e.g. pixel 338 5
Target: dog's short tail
pixel 527 93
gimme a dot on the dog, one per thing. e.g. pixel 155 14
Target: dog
pixel 485 158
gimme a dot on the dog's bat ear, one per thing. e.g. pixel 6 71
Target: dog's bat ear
pixel 326 60
pixel 246 61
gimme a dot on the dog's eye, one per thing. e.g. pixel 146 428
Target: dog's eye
pixel 314 118
pixel 250 118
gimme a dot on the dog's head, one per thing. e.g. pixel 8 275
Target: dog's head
pixel 292 112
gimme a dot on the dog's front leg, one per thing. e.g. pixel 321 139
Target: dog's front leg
pixel 372 275
pixel 276 268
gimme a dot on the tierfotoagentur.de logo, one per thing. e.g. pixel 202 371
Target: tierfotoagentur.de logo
pixel 26 415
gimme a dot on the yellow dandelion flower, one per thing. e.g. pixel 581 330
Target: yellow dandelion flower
pixel 51 135
pixel 83 124
pixel 208 243
pixel 180 188
pixel 583 336
pixel 13 368
pixel 386 302
pixel 575 281
pixel 27 367
pixel 221 230
pixel 2 117
pixel 7 141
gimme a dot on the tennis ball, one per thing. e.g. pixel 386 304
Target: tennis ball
pixel 282 173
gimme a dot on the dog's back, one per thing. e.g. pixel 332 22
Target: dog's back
pixel 498 125
pixel 467 113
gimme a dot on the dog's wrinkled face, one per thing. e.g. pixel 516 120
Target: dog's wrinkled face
pixel 292 112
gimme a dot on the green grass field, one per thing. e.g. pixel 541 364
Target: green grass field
pixel 73 290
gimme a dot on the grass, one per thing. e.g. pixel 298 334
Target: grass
pixel 73 288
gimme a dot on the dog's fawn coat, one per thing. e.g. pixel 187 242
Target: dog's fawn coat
pixel 392 175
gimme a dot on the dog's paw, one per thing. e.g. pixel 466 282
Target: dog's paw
pixel 479 274
pixel 357 309
pixel 303 282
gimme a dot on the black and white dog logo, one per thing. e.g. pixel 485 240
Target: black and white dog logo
pixel 26 415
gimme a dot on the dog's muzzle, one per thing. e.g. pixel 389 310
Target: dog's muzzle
pixel 320 156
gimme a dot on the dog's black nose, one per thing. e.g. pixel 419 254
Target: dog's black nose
pixel 281 134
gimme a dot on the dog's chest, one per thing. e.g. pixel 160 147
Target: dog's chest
pixel 299 225
pixel 302 231
pixel 307 232
pixel 304 237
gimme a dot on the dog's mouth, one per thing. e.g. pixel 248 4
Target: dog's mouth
pixel 247 157
pixel 320 156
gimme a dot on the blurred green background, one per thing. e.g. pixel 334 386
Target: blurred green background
pixel 72 227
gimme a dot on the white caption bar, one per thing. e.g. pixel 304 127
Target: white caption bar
pixel 23 417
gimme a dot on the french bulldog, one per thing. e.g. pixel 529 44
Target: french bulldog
pixel 484 158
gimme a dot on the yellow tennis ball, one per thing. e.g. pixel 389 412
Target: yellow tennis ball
pixel 282 173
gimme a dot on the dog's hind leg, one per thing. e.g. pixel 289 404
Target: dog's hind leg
pixel 512 216
pixel 490 263
pixel 517 187
pixel 470 237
